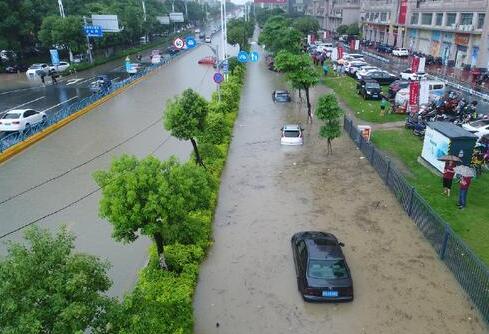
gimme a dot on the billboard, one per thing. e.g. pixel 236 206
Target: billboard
pixel 402 12
pixel 109 23
pixel 280 2
pixel 176 17
pixel 163 19
pixel 435 145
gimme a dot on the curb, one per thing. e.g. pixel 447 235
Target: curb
pixel 16 149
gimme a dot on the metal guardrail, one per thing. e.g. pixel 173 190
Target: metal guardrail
pixel 468 269
pixel 17 137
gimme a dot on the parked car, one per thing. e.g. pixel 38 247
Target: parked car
pixel 353 66
pixel 171 50
pixel 21 120
pixel 480 128
pixel 101 83
pixel 382 77
pixel 324 47
pixel 292 135
pixel 207 39
pixel 281 96
pixel 396 86
pixel 400 52
pixel 408 74
pixel 321 269
pixel 63 66
pixel 364 70
pixel 384 48
pixel 35 69
pixel 209 60
pixel 16 68
pixel 354 56
pixel 369 89
pixel 202 35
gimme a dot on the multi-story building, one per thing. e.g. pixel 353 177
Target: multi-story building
pixel 333 13
pixel 455 30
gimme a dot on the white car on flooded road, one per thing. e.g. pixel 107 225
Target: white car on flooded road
pixel 21 120
pixel 35 69
pixel 292 134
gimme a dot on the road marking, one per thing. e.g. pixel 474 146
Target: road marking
pixel 73 81
pixel 26 103
pixel 84 80
pixel 20 90
pixel 115 78
pixel 57 105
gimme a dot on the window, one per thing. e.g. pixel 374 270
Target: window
pixel 480 20
pixel 451 18
pixel 415 18
pixel 29 113
pixel 439 19
pixel 11 116
pixel 383 17
pixel 327 269
pixel 466 18
pixel 426 18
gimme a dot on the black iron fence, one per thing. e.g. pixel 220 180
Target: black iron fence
pixel 472 274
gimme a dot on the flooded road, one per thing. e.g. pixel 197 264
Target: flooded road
pixel 268 192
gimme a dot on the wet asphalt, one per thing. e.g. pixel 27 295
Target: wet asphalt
pixel 70 156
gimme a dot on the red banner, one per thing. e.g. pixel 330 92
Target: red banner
pixel 402 12
pixel 413 94
pixel 340 53
pixel 415 64
pixel 271 1
pixel 352 44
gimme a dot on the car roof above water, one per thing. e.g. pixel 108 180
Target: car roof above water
pixel 292 127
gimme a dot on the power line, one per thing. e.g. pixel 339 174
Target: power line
pixel 81 164
pixel 71 204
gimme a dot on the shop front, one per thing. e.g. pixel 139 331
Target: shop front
pixel 462 42
pixel 424 42
pixel 411 39
pixel 435 43
pixel 447 41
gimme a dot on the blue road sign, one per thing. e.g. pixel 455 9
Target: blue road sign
pixel 93 31
pixel 254 56
pixel 218 78
pixel 225 67
pixel 190 42
pixel 54 57
pixel 243 56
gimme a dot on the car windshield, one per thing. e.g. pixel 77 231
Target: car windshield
pixel 327 269
pixel 480 123
pixel 372 85
pixel 282 94
pixel 291 133
pixel 11 116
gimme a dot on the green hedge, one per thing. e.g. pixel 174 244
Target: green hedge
pixel 162 300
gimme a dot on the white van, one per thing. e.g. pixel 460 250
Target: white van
pixel 436 90
pixel 325 47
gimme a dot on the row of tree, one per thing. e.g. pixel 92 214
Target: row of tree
pixel 27 24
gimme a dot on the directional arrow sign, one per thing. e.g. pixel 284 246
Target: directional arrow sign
pixel 254 56
pixel 190 42
pixel 243 56
pixel 218 78
pixel 178 43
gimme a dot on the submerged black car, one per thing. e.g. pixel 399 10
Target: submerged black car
pixel 281 96
pixel 321 268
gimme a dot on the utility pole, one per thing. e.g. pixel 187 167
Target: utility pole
pixel 61 9
pixel 144 19
pixel 90 57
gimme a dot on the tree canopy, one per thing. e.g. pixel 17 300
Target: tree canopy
pixel 47 288
pixel 330 112
pixel 239 31
pixel 278 34
pixel 306 24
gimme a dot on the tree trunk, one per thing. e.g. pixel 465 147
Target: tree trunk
pixel 198 159
pixel 161 252
pixel 330 147
pixel 309 111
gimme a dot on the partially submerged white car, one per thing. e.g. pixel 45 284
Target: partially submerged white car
pixel 292 135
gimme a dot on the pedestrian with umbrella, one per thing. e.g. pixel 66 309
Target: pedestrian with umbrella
pixel 448 172
pixel 466 174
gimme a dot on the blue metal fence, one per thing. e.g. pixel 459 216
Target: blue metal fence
pixel 17 137
pixel 471 273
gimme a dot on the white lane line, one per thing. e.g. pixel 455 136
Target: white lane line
pixel 57 105
pixel 26 103
pixel 73 81
pixel 20 90
pixel 84 81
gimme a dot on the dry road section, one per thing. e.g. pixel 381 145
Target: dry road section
pixel 268 192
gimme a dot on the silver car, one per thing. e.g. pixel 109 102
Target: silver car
pixel 292 134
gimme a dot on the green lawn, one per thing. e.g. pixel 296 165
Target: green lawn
pixel 472 223
pixel 367 110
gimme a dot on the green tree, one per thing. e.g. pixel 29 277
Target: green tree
pixel 47 288
pixel 185 118
pixel 306 25
pixel 330 112
pixel 278 34
pixel 66 32
pixel 353 30
pixel 216 129
pixel 239 31
pixel 300 72
pixel 342 29
pixel 148 196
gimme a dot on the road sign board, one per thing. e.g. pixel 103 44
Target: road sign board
pixel 178 43
pixel 54 57
pixel 93 31
pixel 225 67
pixel 243 56
pixel 218 78
pixel 254 56
pixel 190 42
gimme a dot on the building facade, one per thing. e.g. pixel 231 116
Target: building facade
pixel 383 21
pixel 333 13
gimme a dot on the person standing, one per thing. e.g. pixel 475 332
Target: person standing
pixel 325 69
pixel 464 188
pixel 53 75
pixel 383 104
pixel 448 174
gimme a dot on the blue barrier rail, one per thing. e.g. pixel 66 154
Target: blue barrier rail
pixel 468 269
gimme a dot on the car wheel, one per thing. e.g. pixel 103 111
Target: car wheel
pixel 27 129
pixel 44 119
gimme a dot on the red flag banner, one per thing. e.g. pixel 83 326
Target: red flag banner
pixel 352 44
pixel 402 12
pixel 415 64
pixel 413 94
pixel 340 53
